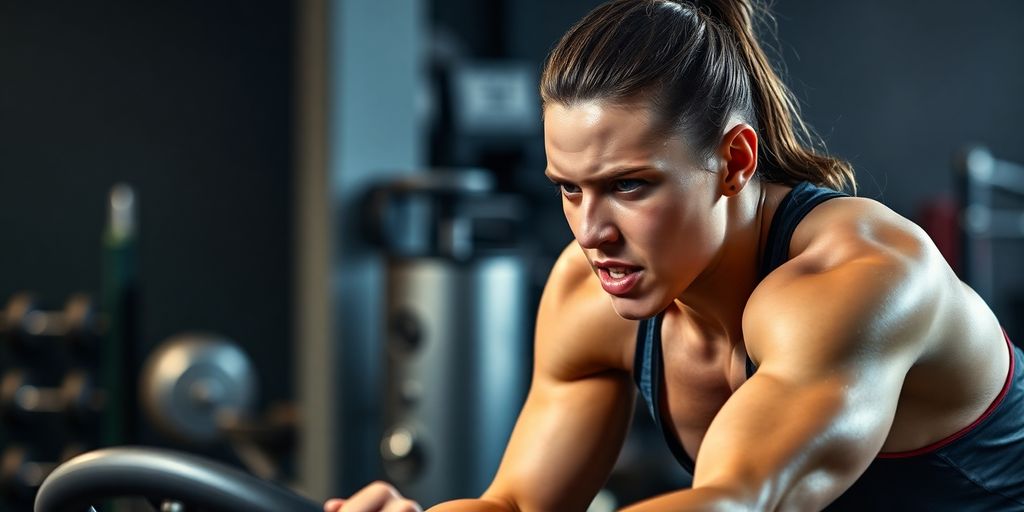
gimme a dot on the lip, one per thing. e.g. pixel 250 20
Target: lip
pixel 621 285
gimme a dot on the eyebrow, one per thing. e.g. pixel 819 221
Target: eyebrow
pixel 608 176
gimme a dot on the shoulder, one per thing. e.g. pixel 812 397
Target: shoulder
pixel 861 281
pixel 848 228
pixel 578 331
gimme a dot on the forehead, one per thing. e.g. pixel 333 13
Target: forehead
pixel 586 137
pixel 584 126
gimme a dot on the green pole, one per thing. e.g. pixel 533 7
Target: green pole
pixel 118 373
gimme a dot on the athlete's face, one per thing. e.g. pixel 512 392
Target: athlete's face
pixel 643 208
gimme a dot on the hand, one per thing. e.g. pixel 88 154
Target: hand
pixel 376 497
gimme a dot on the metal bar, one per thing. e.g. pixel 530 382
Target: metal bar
pixel 312 329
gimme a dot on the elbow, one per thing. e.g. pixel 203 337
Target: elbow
pixel 745 496
pixel 728 498
pixel 812 491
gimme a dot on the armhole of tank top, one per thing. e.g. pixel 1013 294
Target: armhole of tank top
pixel 669 433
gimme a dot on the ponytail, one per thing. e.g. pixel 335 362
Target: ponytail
pixel 785 136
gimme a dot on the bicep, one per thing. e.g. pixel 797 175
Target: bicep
pixel 801 442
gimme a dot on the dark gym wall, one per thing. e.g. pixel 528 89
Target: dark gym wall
pixel 896 87
pixel 188 102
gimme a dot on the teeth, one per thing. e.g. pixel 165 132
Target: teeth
pixel 618 273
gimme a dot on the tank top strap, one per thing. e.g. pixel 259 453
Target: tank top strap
pixel 793 208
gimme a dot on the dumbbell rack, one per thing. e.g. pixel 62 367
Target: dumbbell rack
pixel 50 407
pixel 67 377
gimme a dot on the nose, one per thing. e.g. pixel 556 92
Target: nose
pixel 594 226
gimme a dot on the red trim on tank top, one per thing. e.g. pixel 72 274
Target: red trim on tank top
pixel 966 430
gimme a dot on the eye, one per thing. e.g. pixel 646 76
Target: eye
pixel 628 185
pixel 569 188
pixel 566 188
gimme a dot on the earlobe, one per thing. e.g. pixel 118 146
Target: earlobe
pixel 738 151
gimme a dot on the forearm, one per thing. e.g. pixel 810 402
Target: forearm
pixel 480 505
pixel 704 499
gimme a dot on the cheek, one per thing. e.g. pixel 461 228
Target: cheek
pixel 676 238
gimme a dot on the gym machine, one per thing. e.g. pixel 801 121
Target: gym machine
pixel 983 178
pixel 457 329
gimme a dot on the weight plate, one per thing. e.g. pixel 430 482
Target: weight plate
pixel 193 378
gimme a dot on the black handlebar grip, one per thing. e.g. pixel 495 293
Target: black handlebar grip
pixel 164 474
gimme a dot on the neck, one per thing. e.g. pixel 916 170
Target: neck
pixel 719 295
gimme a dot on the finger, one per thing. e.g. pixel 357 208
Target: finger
pixel 371 498
pixel 333 505
pixel 403 505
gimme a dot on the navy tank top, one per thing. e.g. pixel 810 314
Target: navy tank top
pixel 981 467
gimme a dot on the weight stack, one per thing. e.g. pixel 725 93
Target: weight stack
pixel 457 339
pixel 456 370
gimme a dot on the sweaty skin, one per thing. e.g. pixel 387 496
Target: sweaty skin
pixel 865 339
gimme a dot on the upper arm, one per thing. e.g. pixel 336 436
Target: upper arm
pixel 833 349
pixel 577 412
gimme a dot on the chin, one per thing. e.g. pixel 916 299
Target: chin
pixel 634 309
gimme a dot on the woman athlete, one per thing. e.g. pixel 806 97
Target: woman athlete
pixel 801 349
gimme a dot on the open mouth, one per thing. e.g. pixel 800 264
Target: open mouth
pixel 619 272
pixel 616 278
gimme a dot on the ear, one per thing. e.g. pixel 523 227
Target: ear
pixel 738 151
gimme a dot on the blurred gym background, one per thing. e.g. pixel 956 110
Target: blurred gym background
pixel 308 238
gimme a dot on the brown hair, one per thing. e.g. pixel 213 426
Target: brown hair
pixel 697 64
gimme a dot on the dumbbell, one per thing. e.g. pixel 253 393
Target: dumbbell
pixel 76 397
pixel 24 323
pixel 21 475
